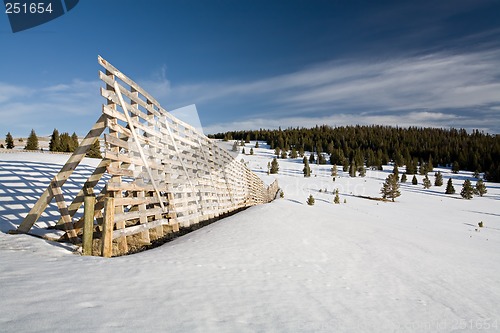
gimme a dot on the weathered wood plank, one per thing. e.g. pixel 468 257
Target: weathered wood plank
pixel 88 226
pixel 108 223
pixel 139 228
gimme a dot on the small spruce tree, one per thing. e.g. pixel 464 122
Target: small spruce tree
pixel 403 178
pixel 54 141
pixel 307 169
pixel 95 150
pixel 32 142
pixel 283 154
pixel 390 188
pixel 243 151
pixel 467 191
pixel 395 170
pixel 352 169
pixel 274 166
pixel 438 181
pixel 334 170
pixel 251 151
pixel 362 171
pixel 74 141
pixel 257 144
pixel 480 188
pixel 455 167
pixel 277 151
pixel 9 141
pixel 235 146
pixel 282 194
pixel 449 187
pixel 311 158
pixel 414 180
pixel 310 200
pixel 336 200
pixel 426 182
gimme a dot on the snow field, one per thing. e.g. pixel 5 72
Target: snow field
pixel 415 265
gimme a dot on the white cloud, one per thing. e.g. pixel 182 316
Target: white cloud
pixel 43 108
pixel 432 82
pixel 443 90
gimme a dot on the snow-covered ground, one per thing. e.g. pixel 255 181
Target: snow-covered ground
pixel 420 264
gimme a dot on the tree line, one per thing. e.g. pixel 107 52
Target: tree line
pixel 376 145
pixel 58 143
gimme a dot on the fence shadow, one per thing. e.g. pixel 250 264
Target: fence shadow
pixel 22 183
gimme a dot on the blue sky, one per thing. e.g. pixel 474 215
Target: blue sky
pixel 261 64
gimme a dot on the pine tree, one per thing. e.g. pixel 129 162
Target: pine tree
pixel 321 159
pixel 467 191
pixel 32 143
pixel 334 170
pixel 362 171
pixel 243 151
pixel 274 166
pixel 74 141
pixel 251 151
pixel 423 168
pixel 403 178
pixel 282 194
pixel 449 187
pixel 480 188
pixel 95 150
pixel 277 151
pixel 257 144
pixel 414 180
pixel 336 200
pixel 395 170
pixel 427 182
pixel 235 146
pixel 9 141
pixel 352 169
pixel 390 188
pixel 307 169
pixel 310 200
pixel 345 165
pixel 311 158
pixel 283 154
pixel 455 167
pixel 438 179
pixel 65 143
pixel 293 154
pixel 54 141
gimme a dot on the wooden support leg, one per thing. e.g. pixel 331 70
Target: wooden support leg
pixel 88 227
pixel 108 223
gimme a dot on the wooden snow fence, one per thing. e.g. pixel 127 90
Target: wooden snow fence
pixel 163 175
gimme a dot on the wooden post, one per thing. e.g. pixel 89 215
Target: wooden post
pixel 107 225
pixel 88 227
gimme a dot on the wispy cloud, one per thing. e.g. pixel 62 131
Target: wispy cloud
pixel 440 90
pixel 437 90
pixel 67 106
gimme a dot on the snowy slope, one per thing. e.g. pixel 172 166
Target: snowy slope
pixel 416 265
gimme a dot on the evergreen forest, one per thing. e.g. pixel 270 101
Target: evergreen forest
pixel 376 145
